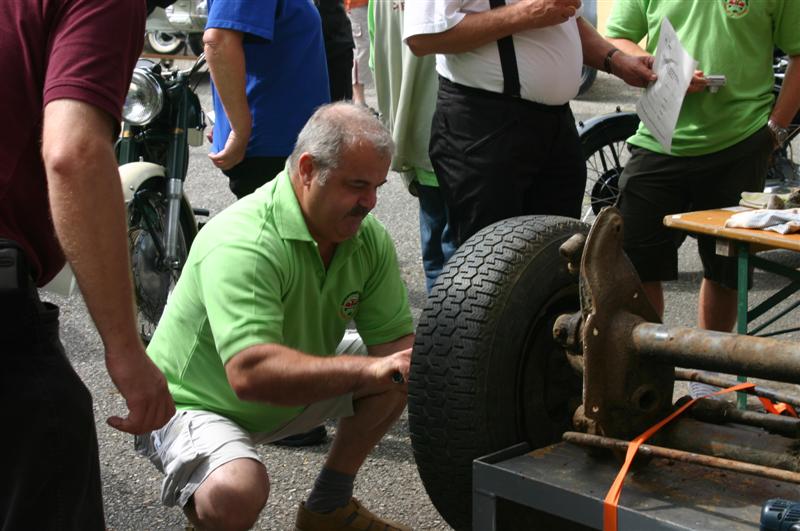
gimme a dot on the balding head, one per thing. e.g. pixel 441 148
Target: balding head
pixel 335 128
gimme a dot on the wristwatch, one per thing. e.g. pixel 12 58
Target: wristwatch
pixel 781 134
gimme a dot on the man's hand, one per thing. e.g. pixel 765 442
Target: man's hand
pixel 636 71
pixel 543 13
pixel 233 152
pixel 145 391
pixel 378 376
pixel 698 82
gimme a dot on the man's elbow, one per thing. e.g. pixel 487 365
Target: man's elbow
pixel 419 46
pixel 216 38
pixel 242 383
pixel 61 159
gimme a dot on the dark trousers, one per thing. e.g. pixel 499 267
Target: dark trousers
pixel 498 157
pixel 253 172
pixel 340 74
pixel 48 454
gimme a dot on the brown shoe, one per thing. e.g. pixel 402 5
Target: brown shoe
pixel 351 517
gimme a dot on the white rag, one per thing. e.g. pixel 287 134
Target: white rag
pixel 781 221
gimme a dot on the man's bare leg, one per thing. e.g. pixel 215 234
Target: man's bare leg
pixel 655 294
pixel 357 435
pixel 231 498
pixel 717 308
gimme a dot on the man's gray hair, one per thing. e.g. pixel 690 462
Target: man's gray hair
pixel 335 128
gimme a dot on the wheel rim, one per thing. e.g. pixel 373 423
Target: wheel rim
pixel 163 42
pixel 603 169
pixel 549 389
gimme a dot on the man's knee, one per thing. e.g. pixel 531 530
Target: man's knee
pixel 232 497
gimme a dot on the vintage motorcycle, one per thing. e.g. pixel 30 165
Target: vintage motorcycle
pixel 181 24
pixel 162 118
pixel 603 140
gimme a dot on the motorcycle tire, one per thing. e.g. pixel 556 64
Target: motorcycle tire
pixel 164 43
pixel 153 280
pixel 195 42
pixel 605 152
pixel 485 371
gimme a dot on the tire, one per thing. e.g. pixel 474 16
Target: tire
pixel 485 371
pixel 604 149
pixel 588 75
pixel 164 43
pixel 195 42
pixel 153 280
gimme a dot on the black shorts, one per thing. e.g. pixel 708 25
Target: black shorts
pixel 655 185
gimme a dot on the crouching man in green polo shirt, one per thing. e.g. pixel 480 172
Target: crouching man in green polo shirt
pixel 247 340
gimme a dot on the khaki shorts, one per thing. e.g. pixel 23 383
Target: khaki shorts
pixel 194 443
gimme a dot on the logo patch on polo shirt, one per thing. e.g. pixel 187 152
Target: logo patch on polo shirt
pixel 736 8
pixel 350 305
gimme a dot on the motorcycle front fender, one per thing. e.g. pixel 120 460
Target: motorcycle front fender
pixel 133 174
pixel 629 120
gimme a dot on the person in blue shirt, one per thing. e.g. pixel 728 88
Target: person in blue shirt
pixel 267 64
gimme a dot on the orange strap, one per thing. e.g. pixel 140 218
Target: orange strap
pixel 610 503
pixel 777 408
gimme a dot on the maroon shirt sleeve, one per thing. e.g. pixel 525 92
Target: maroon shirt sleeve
pixel 93 51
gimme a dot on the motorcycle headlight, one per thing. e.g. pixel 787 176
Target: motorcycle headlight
pixel 145 99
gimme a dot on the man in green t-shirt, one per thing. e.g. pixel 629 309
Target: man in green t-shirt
pixel 722 141
pixel 247 339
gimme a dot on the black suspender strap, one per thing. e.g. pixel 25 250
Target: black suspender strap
pixel 508 59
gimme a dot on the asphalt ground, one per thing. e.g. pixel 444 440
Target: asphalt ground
pixel 388 483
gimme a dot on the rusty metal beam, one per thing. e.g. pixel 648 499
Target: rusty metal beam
pixel 680 455
pixel 721 381
pixel 758 357
pixel 721 411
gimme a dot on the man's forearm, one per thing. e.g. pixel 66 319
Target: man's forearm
pixel 595 47
pixel 627 46
pixel 478 29
pixel 789 98
pixel 283 376
pixel 385 349
pixel 82 178
pixel 226 63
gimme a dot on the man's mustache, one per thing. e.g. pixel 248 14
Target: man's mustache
pixel 358 211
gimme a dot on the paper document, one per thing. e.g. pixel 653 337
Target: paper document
pixel 661 103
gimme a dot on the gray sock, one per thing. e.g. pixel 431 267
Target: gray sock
pixel 331 490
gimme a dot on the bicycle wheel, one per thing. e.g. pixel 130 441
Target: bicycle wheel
pixel 783 174
pixel 603 141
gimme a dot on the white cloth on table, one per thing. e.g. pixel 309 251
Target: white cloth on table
pixel 781 221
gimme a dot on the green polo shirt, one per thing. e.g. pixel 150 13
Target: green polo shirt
pixel 254 275
pixel 733 38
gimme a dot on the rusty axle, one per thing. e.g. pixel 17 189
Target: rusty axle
pixel 679 455
pixel 758 357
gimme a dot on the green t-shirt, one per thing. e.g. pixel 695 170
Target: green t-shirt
pixel 733 38
pixel 254 275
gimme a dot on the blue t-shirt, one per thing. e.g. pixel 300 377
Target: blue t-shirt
pixel 287 76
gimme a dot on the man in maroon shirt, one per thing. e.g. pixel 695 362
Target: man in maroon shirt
pixel 66 67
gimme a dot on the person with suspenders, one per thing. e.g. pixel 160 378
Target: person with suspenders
pixel 503 137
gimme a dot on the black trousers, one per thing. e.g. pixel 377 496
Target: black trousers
pixel 49 453
pixel 498 157
pixel 340 74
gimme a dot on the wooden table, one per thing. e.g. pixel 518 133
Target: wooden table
pixel 744 244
